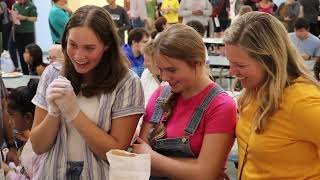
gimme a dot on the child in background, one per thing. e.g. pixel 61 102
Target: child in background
pixel 55 54
pixel 21 112
pixel 33 57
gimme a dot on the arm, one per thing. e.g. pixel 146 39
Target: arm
pixel 208 9
pixel 44 131
pixel 40 70
pixel 191 168
pixel 184 9
pixel 122 131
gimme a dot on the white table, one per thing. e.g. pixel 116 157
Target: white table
pixel 213 41
pixel 218 62
pixel 14 82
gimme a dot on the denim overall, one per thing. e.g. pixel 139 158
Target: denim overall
pixel 180 147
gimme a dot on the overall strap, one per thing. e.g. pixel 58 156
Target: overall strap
pixel 198 114
pixel 158 111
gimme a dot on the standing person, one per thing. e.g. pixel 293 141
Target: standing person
pixel 24 33
pixel 97 97
pixel 138 13
pixel 120 17
pixel 311 11
pixel 280 104
pixel 192 119
pixel 195 10
pixel 58 17
pixel 6 25
pixel 170 10
pixel 136 40
pixel 287 13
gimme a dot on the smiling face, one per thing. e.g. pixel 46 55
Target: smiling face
pixel 84 49
pixel 247 69
pixel 180 76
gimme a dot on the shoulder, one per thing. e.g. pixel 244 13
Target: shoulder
pixel 300 91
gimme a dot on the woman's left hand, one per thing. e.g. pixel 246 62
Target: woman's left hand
pixel 142 147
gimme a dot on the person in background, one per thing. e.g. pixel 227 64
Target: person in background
pixel 311 11
pixel 307 44
pixel 138 13
pixel 150 78
pixel 33 57
pixel 6 25
pixel 151 6
pixel 24 32
pixel 243 9
pixel 195 10
pixel 160 24
pixel 136 40
pixel 279 107
pixel 192 119
pixel 170 10
pixel 266 6
pixel 93 94
pixel 6 131
pixel 55 54
pixel 287 13
pixel 21 111
pixel 58 17
pixel 120 17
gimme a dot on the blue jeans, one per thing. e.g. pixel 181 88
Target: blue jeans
pixel 137 23
pixel 74 170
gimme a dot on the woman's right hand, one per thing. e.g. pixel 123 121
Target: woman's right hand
pixel 55 90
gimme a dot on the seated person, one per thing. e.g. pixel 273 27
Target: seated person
pixel 33 57
pixel 55 53
pixel 136 39
pixel 307 44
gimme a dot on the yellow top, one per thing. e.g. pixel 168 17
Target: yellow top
pixel 172 15
pixel 289 148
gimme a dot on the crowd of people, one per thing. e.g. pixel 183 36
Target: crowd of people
pixel 153 91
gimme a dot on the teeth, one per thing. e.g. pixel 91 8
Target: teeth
pixel 81 62
pixel 240 78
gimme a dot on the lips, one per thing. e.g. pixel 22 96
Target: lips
pixel 81 62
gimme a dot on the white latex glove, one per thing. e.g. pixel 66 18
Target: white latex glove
pixel 54 91
pixel 67 103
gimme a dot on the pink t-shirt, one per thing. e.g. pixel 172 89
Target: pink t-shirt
pixel 220 116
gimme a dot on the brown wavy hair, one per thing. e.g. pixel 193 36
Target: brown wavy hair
pixel 113 65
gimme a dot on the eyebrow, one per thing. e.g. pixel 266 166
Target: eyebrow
pixel 86 45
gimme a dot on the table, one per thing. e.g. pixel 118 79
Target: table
pixel 213 41
pixel 14 82
pixel 218 62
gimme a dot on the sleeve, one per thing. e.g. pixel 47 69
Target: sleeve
pixel 305 114
pixel 208 8
pixel 151 105
pixel 33 11
pixel 49 74
pixel 317 50
pixel 183 10
pixel 129 98
pixel 221 115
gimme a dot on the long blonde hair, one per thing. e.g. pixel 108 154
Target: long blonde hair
pixel 266 40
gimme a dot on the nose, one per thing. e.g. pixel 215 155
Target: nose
pixel 233 70
pixel 78 55
pixel 164 76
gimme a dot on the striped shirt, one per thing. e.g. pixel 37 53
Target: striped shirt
pixel 126 99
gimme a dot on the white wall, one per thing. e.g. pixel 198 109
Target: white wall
pixel 43 37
